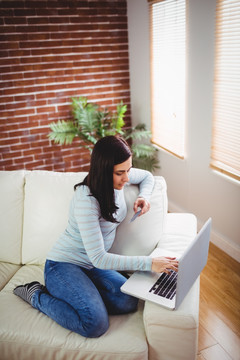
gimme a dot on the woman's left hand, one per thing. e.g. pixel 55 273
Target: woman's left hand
pixel 143 204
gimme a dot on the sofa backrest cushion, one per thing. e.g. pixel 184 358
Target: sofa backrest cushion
pixel 11 215
pixel 141 236
pixel 47 200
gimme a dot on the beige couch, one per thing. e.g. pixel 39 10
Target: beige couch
pixel 33 212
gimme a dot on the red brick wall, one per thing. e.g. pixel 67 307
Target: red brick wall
pixel 53 50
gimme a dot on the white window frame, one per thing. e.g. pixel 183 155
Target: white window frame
pixel 225 152
pixel 168 74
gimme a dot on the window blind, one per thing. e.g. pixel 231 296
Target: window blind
pixel 225 154
pixel 168 57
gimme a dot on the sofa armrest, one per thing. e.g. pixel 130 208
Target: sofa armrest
pixel 174 334
pixel 180 230
pixel 181 223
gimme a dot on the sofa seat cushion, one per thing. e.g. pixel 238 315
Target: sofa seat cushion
pixel 6 272
pixel 27 334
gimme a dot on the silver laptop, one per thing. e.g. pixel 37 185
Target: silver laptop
pixel 170 290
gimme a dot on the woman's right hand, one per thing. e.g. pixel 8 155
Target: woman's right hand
pixel 164 264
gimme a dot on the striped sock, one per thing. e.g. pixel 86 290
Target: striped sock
pixel 26 291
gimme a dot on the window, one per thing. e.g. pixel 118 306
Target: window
pixel 168 58
pixel 225 155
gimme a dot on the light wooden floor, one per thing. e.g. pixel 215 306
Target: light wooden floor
pixel 219 321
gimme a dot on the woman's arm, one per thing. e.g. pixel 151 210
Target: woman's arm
pixel 87 215
pixel 144 179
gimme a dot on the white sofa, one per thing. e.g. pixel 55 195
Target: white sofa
pixel 33 212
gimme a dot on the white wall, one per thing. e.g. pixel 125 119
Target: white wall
pixel 192 185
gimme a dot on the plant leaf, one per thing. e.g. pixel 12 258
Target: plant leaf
pixel 90 123
pixel 145 162
pixel 117 121
pixel 63 132
pixel 86 115
pixel 121 109
pixel 138 132
pixel 140 150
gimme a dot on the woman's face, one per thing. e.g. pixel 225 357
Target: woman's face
pixel 120 173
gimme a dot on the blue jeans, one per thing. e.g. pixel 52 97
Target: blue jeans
pixel 80 299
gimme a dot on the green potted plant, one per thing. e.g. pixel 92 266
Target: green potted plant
pixel 90 123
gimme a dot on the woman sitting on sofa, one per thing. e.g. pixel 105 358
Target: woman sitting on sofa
pixel 81 277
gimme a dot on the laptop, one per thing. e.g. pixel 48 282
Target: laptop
pixel 170 290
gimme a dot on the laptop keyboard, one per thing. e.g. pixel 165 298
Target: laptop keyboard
pixel 166 285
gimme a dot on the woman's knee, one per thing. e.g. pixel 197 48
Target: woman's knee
pixel 123 304
pixel 131 304
pixel 97 327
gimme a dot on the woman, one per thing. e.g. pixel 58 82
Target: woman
pixel 81 277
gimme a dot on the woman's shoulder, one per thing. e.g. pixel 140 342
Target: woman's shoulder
pixel 82 190
pixel 83 195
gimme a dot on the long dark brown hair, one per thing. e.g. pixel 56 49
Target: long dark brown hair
pixel 107 152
